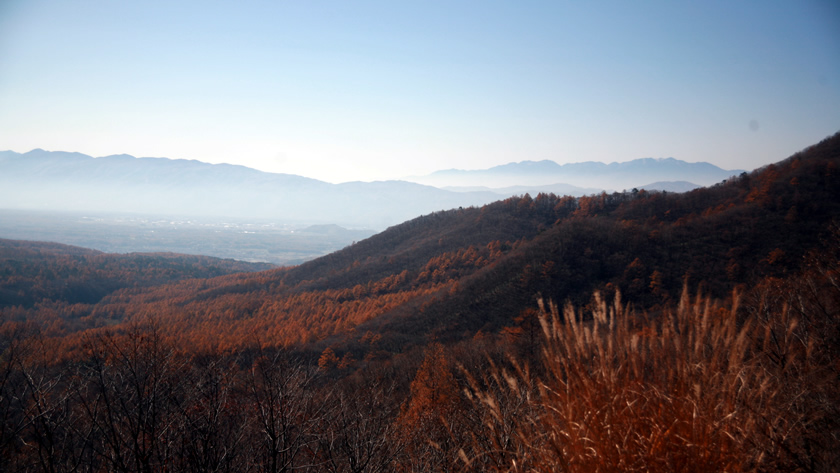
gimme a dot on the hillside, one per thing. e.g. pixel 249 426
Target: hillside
pixel 699 332
pixel 448 275
pixel 59 181
pixel 42 273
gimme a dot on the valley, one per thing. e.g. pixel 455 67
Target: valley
pixel 419 237
pixel 697 330
pixel 241 239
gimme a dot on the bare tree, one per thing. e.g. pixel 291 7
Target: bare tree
pixel 359 434
pixel 212 422
pixel 283 414
pixel 132 383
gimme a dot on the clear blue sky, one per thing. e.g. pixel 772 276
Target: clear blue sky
pixel 358 90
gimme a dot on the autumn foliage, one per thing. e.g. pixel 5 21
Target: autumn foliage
pixel 696 388
pixel 631 331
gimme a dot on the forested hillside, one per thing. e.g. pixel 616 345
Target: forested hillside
pixel 41 272
pixel 698 334
pixel 447 275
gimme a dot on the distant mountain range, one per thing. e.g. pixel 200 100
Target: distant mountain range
pixel 587 175
pixel 46 180
pixel 64 181
pixel 708 319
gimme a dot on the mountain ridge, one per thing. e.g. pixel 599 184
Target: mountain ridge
pixel 438 321
pixel 592 174
pixel 446 276
pixel 163 186
pixel 71 181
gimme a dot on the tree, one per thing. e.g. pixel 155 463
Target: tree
pixel 283 413
pixel 213 423
pixel 129 391
pixel 359 434
pixel 431 412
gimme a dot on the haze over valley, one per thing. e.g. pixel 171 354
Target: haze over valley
pixel 419 237
pixel 714 313
pixel 127 204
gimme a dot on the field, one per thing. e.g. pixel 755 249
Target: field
pixel 280 243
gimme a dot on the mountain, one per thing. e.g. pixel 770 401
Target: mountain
pixel 62 181
pixel 86 276
pixel 670 186
pixel 44 180
pixel 447 275
pixel 613 176
pixel 698 328
pixel 559 189
pixel 567 189
pixel 329 229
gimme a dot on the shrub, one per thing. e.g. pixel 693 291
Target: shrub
pixel 688 389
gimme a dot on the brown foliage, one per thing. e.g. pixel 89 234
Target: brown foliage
pixel 691 389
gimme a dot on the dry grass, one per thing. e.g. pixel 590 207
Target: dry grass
pixel 687 390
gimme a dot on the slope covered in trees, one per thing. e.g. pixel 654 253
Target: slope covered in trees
pixel 436 345
pixel 448 275
pixel 41 276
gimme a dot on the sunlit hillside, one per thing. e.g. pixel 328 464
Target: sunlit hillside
pixel 646 331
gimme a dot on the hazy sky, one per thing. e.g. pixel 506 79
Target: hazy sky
pixel 358 90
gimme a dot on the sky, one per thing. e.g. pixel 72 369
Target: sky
pixel 366 90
